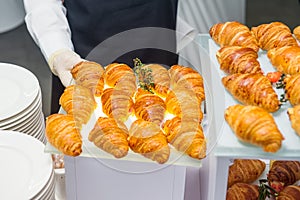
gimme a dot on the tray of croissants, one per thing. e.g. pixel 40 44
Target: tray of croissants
pixel 259 70
pixel 145 113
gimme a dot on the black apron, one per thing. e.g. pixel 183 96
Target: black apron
pixel 119 31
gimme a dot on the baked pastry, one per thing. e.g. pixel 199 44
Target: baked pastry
pixel 252 89
pixel 233 33
pixel 274 34
pixel 245 171
pixel 186 77
pixel 296 32
pixel 78 101
pixel 285 59
pixel 291 192
pixel 186 136
pixel 254 125
pixel 294 116
pixel 242 191
pixel 110 136
pixel 63 133
pixel 147 139
pixel 283 173
pixel 149 107
pixel 292 89
pixel 237 59
pixel 117 104
pixel 121 76
pixel 89 74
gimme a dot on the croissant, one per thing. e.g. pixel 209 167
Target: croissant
pixel 149 107
pixel 160 78
pixel 78 101
pixel 294 116
pixel 110 136
pixel 291 192
pixel 285 59
pixel 233 34
pixel 237 59
pixel 89 74
pixel 63 133
pixel 183 103
pixel 147 139
pixel 274 34
pixel 296 32
pixel 292 89
pixel 242 191
pixel 186 136
pixel 254 125
pixel 252 89
pixel 117 104
pixel 121 76
pixel 283 173
pixel 245 171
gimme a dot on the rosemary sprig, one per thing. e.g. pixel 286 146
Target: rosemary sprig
pixel 280 83
pixel 265 190
pixel 144 75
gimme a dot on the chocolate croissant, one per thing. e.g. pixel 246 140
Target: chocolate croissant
pixel 272 35
pixel 237 59
pixel 285 59
pixel 63 133
pixel 121 76
pixel 89 74
pixel 242 191
pixel 294 116
pixel 252 89
pixel 233 34
pixel 147 139
pixel 149 106
pixel 254 125
pixel 291 192
pixel 245 171
pixel 117 104
pixel 292 89
pixel 110 136
pixel 186 77
pixel 186 136
pixel 78 101
pixel 283 173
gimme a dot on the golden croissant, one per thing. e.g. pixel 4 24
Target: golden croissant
pixel 292 89
pixel 110 136
pixel 294 116
pixel 291 192
pixel 233 34
pixel 245 171
pixel 283 173
pixel 121 76
pixel 186 136
pixel 147 139
pixel 252 89
pixel 296 32
pixel 237 59
pixel 89 74
pixel 285 59
pixel 149 106
pixel 78 101
pixel 254 125
pixel 63 133
pixel 242 191
pixel 117 104
pixel 274 34
pixel 188 78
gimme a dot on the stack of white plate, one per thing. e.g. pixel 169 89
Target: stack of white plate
pixel 26 171
pixel 21 101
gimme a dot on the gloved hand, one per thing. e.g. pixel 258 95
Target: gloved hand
pixel 61 62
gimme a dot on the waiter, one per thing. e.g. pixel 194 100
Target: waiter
pixel 69 31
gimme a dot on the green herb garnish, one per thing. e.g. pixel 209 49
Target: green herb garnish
pixel 265 190
pixel 144 75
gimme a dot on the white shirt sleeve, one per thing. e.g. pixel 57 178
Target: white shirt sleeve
pixel 47 24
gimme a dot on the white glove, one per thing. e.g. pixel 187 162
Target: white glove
pixel 61 62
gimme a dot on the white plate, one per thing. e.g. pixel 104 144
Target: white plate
pixel 18 88
pixel 24 168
